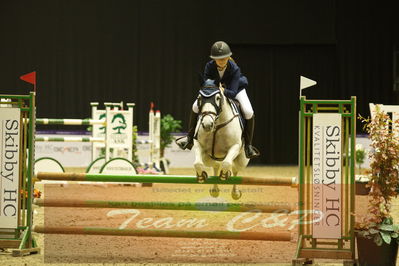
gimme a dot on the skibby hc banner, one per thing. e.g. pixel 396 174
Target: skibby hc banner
pixel 9 166
pixel 327 198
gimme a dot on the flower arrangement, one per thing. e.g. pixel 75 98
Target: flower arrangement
pixel 384 156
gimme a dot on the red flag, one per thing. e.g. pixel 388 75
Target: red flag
pixel 30 77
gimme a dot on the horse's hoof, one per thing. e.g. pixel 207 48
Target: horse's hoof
pixel 214 192
pixel 201 173
pixel 203 177
pixel 225 171
pixel 236 194
pixel 225 175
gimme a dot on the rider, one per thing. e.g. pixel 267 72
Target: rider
pixel 227 74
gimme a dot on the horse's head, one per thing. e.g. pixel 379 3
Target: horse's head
pixel 210 102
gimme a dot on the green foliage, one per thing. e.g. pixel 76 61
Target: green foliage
pixel 384 232
pixel 135 158
pixel 384 157
pixel 360 155
pixel 168 126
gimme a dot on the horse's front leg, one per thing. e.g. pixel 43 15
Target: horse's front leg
pixel 227 164
pixel 199 163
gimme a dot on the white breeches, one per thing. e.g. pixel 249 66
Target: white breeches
pixel 245 104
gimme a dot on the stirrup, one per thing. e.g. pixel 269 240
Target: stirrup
pixel 251 152
pixel 185 144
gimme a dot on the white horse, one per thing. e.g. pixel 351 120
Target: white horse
pixel 218 142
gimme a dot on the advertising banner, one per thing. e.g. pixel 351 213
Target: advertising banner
pixel 327 140
pixel 10 130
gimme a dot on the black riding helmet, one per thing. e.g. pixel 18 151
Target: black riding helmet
pixel 220 50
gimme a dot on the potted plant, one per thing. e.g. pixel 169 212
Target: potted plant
pixel 168 126
pixel 376 233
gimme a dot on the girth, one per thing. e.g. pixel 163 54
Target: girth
pixel 214 137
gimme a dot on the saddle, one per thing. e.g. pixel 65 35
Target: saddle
pixel 210 89
pixel 235 105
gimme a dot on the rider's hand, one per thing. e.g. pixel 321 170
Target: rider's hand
pixel 221 87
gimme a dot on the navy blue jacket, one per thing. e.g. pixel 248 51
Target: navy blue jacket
pixel 232 78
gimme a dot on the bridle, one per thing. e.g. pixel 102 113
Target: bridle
pixel 201 100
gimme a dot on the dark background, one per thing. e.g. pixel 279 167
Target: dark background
pixel 152 50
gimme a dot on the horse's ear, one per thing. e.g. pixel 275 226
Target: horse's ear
pixel 200 79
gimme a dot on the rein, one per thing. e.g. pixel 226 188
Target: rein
pixel 214 137
pixel 216 114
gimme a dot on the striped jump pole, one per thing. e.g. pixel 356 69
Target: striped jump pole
pixel 284 236
pixel 144 141
pixel 69 139
pixel 76 122
pixel 81 139
pixel 177 179
pixel 186 206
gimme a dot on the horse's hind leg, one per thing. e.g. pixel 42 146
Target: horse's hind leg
pixel 227 164
pixel 236 193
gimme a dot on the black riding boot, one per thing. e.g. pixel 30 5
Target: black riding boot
pixel 250 151
pixel 187 142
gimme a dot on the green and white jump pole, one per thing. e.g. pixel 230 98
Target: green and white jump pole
pixel 176 179
pixel 74 122
pixel 81 139
pixel 69 139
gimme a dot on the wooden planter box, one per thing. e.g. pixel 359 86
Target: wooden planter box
pixel 371 254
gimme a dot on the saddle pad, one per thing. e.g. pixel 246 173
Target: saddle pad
pixel 237 110
pixel 209 92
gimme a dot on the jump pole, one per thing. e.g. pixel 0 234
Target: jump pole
pixel 177 179
pixel 80 139
pixel 55 121
pixel 283 236
pixel 186 206
pixel 69 139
